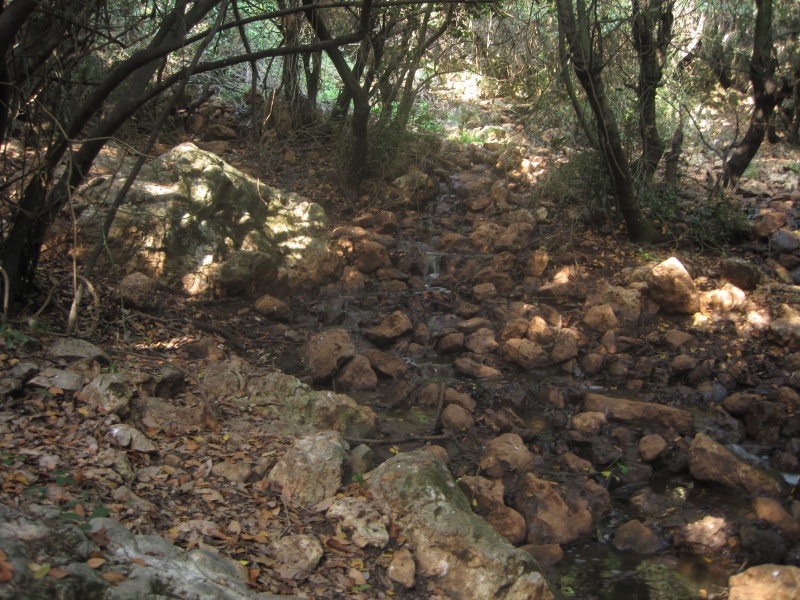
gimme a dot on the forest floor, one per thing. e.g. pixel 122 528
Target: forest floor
pixel 46 458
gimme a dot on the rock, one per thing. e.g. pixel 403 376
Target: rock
pixel 486 496
pixel 462 552
pixel 465 401
pixel 711 461
pixel 537 263
pixel 635 536
pixel 683 363
pixel 456 419
pixel 764 421
pixel 200 211
pixel 672 287
pixel 220 132
pixel 370 256
pixel 601 318
pixel 739 403
pixel 481 342
pixel 770 511
pixel 674 339
pixel 297 555
pixel 728 298
pixel 235 472
pixel 59 379
pixel 588 422
pixel 325 352
pixel 137 290
pixel 166 414
pixel 402 568
pixel 74 349
pixel 526 353
pixel 311 470
pixel 392 327
pixel 472 368
pixel 483 292
pixel 565 347
pixel 786 328
pixel 546 555
pixel 639 413
pixel 703 536
pixel 366 526
pixel 169 382
pixel 785 240
pixel 357 374
pixel 272 307
pixel 625 302
pixel 505 454
pixel 652 447
pixel 741 273
pixel 451 343
pixel 360 459
pixel 550 519
pixel 109 392
pixel 247 273
pixel 416 188
pixel 776 582
pixel 125 436
pixel 386 364
pixel 539 331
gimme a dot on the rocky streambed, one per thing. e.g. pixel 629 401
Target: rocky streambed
pixel 461 396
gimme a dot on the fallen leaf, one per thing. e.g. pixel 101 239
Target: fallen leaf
pixel 58 573
pixel 42 571
pixel 114 578
pixel 6 568
pixel 95 563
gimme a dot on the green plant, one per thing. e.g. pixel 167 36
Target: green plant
pixel 12 336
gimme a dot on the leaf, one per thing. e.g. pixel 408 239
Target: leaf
pixel 6 568
pixel 58 573
pixel 114 578
pixel 96 563
pixel 42 571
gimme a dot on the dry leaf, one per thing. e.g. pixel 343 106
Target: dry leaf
pixel 114 578
pixel 58 573
pixel 6 568
pixel 95 563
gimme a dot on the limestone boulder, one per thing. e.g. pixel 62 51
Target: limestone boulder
pixel 672 287
pixel 468 559
pixel 189 213
pixel 390 328
pixel 776 582
pixel 325 352
pixel 311 470
pixel 506 454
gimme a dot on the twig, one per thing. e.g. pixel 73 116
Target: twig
pixel 402 440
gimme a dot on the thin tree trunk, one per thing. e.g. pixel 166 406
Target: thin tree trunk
pixel 765 94
pixel 588 63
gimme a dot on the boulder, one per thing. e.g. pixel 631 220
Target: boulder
pixel 365 525
pixel 672 287
pixel 639 413
pixel 711 461
pixel 601 318
pixel 776 582
pixel 311 470
pixel 468 559
pixel 635 536
pixel 199 213
pixel 109 392
pixel 504 455
pixel 402 569
pixel 356 374
pixel 486 496
pixel 325 352
pixel 392 327
pixel 137 290
pixel 741 273
pixel 297 555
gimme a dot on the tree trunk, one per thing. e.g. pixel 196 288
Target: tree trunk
pixel 765 94
pixel 651 47
pixel 587 60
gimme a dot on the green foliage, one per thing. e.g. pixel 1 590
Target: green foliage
pixel 716 222
pixel 11 336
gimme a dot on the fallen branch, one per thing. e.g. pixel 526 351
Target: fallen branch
pixel 403 440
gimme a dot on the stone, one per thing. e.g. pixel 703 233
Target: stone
pixel 671 286
pixel 601 318
pixel 504 455
pixel 468 559
pixel 526 353
pixel 220 132
pixel 741 273
pixel 550 519
pixel 652 447
pixel 451 343
pixel 539 331
pixel 483 292
pixel 481 342
pixel 392 327
pixel 416 188
pixel 109 392
pixel 625 302
pixel 137 290
pixel 169 415
pixel 546 555
pixel 764 420
pixel 365 525
pixel 776 582
pixel 273 307
pixel 635 536
pixel 297 555
pixel 486 496
pixel 639 413
pixel 785 329
pixel 130 438
pixel 785 240
pixel 311 470
pixel 565 347
pixel 537 263
pixel 356 374
pixel 456 419
pixel 711 461
pixel 325 352
pixel 703 536
pixel 675 339
pixel 588 422
pixel 728 298
pixel 472 368
pixel 683 363
pixel 739 403
pixel 771 511
pixel 237 472
pixel 465 401
pixel 370 256
pixel 201 212
pixel 74 349
pixel 386 364
pixel 402 568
